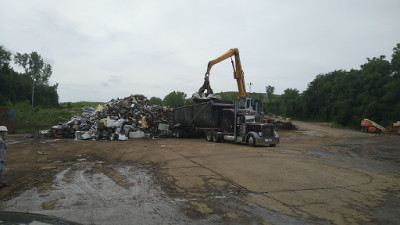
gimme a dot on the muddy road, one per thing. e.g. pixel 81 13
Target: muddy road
pixel 316 175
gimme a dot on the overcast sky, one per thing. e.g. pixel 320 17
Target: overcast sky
pixel 100 50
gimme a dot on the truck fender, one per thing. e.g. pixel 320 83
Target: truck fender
pixel 254 134
pixel 251 138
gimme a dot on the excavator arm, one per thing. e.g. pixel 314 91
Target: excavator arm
pixel 237 72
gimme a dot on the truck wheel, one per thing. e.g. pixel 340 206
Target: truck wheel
pixel 177 133
pixel 215 136
pixel 208 135
pixel 251 141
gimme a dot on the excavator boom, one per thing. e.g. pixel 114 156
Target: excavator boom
pixel 237 72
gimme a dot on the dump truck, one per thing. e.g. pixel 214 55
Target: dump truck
pixel 223 121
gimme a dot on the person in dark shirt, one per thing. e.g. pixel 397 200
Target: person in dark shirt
pixel 3 150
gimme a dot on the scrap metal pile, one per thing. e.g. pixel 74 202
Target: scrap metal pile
pixel 285 125
pixel 131 117
pixel 282 124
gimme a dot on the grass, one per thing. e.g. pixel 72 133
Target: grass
pixel 77 106
pixel 30 121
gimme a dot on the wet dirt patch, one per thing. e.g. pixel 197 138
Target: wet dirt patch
pixel 368 155
pixel 372 149
pixel 85 193
pixel 93 193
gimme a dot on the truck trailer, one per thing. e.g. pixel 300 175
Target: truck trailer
pixel 222 121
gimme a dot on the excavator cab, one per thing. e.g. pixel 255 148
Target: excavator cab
pixel 245 103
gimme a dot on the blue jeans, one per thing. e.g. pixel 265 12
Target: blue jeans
pixel 1 168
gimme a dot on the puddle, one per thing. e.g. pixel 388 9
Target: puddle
pixel 13 141
pixel 19 139
pixel 84 196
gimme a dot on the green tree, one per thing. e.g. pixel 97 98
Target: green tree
pixel 34 65
pixel 257 96
pixel 10 83
pixel 292 103
pixel 18 87
pixel 5 58
pixel 228 96
pixel 377 65
pixel 188 101
pixel 395 63
pixel 270 92
pixel 38 71
pixel 155 101
pixel 346 97
pixel 174 99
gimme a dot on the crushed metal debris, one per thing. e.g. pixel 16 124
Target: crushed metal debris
pixel 120 119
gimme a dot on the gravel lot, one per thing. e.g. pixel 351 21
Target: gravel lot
pixel 316 175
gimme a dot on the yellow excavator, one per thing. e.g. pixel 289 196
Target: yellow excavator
pixel 238 74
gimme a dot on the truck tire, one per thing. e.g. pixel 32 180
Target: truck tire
pixel 209 135
pixel 177 133
pixel 251 141
pixel 215 136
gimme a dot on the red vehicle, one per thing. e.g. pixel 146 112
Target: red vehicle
pixel 369 126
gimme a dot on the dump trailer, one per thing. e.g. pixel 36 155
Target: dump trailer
pixel 220 121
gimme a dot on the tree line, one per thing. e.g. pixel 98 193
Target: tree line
pixel 343 97
pixel 346 97
pixel 32 85
pixel 173 99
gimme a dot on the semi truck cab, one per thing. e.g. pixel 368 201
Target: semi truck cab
pixel 248 130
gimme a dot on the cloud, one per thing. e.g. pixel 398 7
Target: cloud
pixel 115 79
pixel 105 84
pixel 108 49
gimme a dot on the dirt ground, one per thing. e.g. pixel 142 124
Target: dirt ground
pixel 316 175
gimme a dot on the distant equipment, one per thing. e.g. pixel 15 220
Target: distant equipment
pixel 369 126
